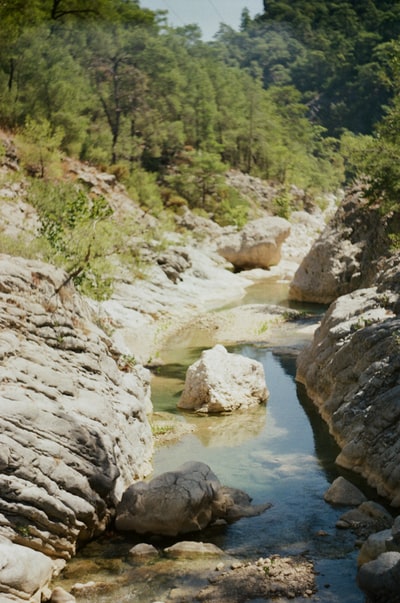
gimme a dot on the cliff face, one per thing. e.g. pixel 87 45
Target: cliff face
pixel 346 256
pixel 352 368
pixel 74 430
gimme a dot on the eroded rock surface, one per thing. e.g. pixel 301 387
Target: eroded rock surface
pixel 347 254
pixel 73 427
pixel 351 372
pixel 182 501
pixel 222 382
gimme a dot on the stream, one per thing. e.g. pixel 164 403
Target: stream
pixel 280 452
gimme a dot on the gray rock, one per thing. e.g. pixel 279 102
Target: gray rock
pixel 380 579
pixel 143 550
pixel 74 432
pixel 345 256
pixel 366 519
pixel 181 501
pixel 343 492
pixel 258 245
pixel 351 372
pixel 222 382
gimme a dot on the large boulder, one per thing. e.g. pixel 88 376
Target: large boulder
pixel 74 431
pixel 257 245
pixel 380 579
pixel 181 501
pixel 222 382
pixel 347 254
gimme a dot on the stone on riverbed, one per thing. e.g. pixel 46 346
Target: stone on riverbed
pixel 182 501
pixel 222 382
pixel 343 492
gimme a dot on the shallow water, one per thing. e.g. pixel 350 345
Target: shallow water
pixel 280 452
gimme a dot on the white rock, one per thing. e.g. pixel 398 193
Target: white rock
pixel 223 382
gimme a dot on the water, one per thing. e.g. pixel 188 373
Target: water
pixel 280 452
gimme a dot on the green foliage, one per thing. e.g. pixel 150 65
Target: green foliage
pixel 80 234
pixel 332 52
pixel 143 187
pixel 38 146
pixel 199 177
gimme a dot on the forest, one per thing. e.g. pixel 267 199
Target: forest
pixel 304 94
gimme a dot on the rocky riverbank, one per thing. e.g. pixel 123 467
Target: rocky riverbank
pixel 75 402
pixel 351 368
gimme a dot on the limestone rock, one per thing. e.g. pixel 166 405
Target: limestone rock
pixel 143 550
pixel 181 501
pixel 73 427
pixel 223 382
pixel 343 492
pixel 380 579
pixel 23 572
pixel 351 373
pixel 258 245
pixel 59 595
pixel 346 255
pixel 188 548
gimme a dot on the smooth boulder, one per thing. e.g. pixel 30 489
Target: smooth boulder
pixel 258 245
pixel 181 501
pixel 223 382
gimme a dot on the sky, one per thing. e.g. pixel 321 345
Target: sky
pixel 208 14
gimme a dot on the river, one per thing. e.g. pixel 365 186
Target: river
pixel 280 452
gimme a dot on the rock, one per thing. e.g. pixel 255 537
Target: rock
pixel 366 519
pixel 143 550
pixel 380 542
pixel 23 572
pixel 181 501
pixel 345 256
pixel 258 245
pixel 350 371
pixel 223 382
pixel 343 492
pixel 374 546
pixel 188 548
pixel 59 595
pixel 380 579
pixel 74 432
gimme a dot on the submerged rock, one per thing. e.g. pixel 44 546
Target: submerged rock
pixel 222 382
pixel 182 501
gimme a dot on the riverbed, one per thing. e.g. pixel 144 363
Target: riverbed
pixel 280 452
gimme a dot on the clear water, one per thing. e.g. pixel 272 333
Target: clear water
pixel 280 452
